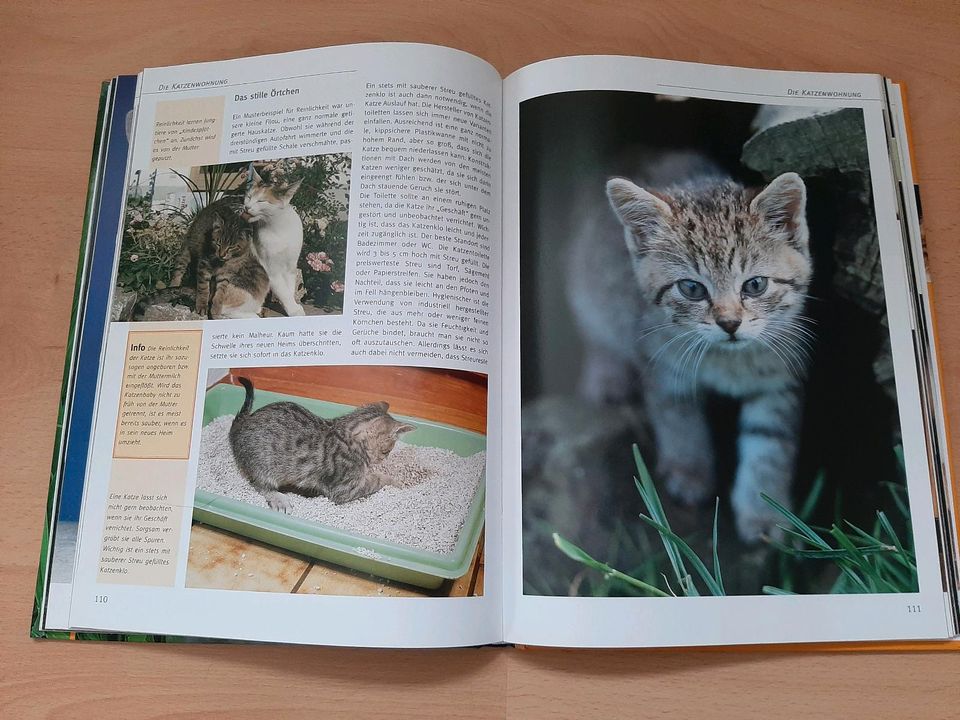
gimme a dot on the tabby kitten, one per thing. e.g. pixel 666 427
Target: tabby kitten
pixel 283 447
pixel 240 284
pixel 707 292
pixel 231 282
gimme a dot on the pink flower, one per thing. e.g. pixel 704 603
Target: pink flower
pixel 336 286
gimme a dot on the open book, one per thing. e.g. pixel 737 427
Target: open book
pixel 374 347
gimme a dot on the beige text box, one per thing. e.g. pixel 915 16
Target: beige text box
pixel 159 388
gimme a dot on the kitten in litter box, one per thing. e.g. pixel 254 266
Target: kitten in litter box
pixel 284 448
pixel 695 284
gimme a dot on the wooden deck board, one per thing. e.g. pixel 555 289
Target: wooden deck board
pixel 219 559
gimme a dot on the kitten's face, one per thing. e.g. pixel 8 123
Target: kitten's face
pixel 379 433
pixel 263 200
pixel 727 265
pixel 231 241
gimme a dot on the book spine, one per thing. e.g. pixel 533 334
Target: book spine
pixel 72 348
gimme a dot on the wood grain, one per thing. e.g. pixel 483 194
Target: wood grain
pixel 55 54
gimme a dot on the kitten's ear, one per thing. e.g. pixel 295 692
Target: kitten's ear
pixel 641 212
pixel 380 407
pixel 290 191
pixel 404 428
pixel 255 176
pixel 217 227
pixel 783 203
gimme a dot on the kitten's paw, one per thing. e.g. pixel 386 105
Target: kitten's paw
pixel 756 520
pixel 296 311
pixel 690 484
pixel 280 502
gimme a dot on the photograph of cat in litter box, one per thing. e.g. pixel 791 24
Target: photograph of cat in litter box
pixel 340 447
pixel 703 309
pixel 235 240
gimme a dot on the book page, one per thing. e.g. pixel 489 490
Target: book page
pixel 720 436
pixel 292 425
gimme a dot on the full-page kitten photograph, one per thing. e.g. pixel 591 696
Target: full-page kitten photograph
pixel 705 362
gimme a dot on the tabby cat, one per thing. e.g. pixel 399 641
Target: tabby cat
pixel 283 447
pixel 231 282
pixel 700 288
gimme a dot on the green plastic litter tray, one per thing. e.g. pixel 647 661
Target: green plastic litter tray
pixel 378 557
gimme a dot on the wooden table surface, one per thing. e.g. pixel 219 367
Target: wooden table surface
pixel 53 57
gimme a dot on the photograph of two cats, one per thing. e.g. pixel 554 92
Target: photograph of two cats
pixel 389 461
pixel 238 240
pixel 708 401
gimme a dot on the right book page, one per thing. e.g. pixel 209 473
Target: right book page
pixel 707 322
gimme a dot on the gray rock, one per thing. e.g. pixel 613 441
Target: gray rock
pixel 811 145
pixel 166 311
pixel 770 115
pixel 121 309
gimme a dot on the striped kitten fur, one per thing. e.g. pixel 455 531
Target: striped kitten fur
pixel 231 282
pixel 705 294
pixel 283 447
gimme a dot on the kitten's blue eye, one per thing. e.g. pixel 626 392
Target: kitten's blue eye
pixel 755 286
pixel 691 289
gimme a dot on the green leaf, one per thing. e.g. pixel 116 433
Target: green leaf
pixel 650 498
pixel 770 590
pixel 716 545
pixel 681 546
pixel 797 522
pixel 576 553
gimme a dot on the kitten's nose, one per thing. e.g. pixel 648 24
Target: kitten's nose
pixel 729 325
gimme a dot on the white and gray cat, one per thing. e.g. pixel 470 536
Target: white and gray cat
pixel 279 236
pixel 696 285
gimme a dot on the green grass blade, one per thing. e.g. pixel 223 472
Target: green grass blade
pixel 897 492
pixel 860 560
pixel 681 546
pixel 797 522
pixel 905 557
pixel 650 498
pixel 813 497
pixel 716 556
pixel 864 535
pixel 852 576
pixel 770 590
pixel 901 463
pixel 581 556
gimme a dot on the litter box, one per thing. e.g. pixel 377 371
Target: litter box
pixel 379 557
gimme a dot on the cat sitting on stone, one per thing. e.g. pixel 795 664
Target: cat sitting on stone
pixel 231 282
pixel 279 236
pixel 283 447
pixel 696 287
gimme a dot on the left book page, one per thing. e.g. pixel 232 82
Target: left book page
pixel 292 411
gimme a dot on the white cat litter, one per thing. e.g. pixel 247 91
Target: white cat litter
pixel 425 511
